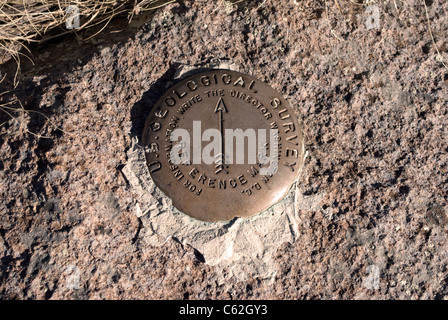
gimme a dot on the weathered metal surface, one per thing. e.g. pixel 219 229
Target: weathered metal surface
pixel 223 100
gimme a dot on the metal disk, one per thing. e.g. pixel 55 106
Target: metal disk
pixel 222 144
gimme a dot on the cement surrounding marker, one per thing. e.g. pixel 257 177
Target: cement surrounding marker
pixel 242 247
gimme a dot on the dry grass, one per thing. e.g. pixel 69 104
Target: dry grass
pixel 25 21
pixel 15 110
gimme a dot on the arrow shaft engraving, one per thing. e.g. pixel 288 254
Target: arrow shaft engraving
pixel 221 129
pixel 220 163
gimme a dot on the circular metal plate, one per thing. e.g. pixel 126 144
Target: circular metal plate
pixel 229 185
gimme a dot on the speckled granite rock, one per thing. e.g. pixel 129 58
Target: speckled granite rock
pixel 373 104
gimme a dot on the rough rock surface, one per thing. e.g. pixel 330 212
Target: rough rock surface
pixel 373 104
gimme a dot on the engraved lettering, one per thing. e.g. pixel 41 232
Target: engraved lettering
pixel 202 178
pixel 174 122
pixel 221 184
pixel 152 148
pixel 205 80
pixel 251 86
pixel 289 127
pixel 241 179
pixel 183 108
pixel 180 96
pixel 290 165
pixel 155 126
pixel 266 178
pixel 215 93
pixel 170 101
pixel 292 152
pixel 154 166
pixel 275 103
pixel 285 116
pixel 253 171
pixel 187 184
pixel 161 114
pixel 186 105
pixel 192 85
pixel 178 174
pixel 211 183
pixel 228 77
pixel 193 172
pixel 240 82
pixel 289 139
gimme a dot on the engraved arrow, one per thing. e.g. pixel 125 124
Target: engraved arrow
pixel 220 165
